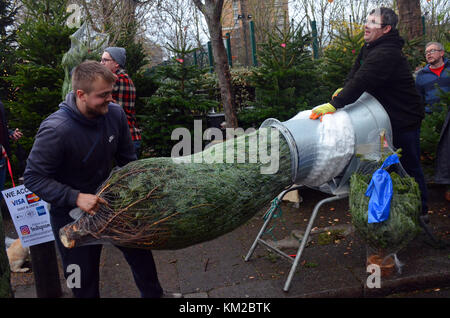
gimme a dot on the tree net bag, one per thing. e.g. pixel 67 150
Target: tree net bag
pixel 385 236
pixel 85 44
pixel 165 203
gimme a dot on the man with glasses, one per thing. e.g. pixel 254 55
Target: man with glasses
pixel 435 76
pixel 382 70
pixel 124 92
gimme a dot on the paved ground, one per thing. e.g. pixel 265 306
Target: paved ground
pixel 332 265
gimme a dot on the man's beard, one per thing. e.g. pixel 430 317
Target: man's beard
pixel 435 62
pixel 96 112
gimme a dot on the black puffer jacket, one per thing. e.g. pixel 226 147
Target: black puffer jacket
pixel 382 70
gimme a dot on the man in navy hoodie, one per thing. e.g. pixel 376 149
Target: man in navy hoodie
pixel 72 155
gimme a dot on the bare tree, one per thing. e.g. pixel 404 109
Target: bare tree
pixel 326 14
pixel 437 19
pixel 212 11
pixel 177 24
pixel 114 16
pixel 266 16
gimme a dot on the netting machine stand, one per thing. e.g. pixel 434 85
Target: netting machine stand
pixel 365 119
pixel 295 261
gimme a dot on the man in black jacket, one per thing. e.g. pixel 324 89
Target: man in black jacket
pixel 383 71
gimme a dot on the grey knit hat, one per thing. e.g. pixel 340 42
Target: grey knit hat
pixel 118 54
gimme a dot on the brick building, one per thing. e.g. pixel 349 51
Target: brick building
pixel 236 16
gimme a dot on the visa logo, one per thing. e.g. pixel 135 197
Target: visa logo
pixel 18 202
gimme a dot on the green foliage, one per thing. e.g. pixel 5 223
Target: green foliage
pixel 430 132
pixel 145 84
pixel 7 48
pixel 42 41
pixel 414 50
pixel 86 44
pixel 401 226
pixel 243 90
pixel 176 103
pixel 340 56
pixel 136 57
pixel 287 81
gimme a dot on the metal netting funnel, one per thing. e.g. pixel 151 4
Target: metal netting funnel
pixel 325 158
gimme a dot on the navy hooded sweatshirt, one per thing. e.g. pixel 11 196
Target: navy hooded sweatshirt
pixel 73 154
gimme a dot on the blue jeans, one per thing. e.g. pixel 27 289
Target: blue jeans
pixel 137 148
pixel 409 141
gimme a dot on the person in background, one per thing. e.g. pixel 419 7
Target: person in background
pixel 5 136
pixel 430 80
pixel 124 93
pixel 382 70
pixel 434 76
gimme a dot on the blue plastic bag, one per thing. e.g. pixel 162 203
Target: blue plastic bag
pixel 380 191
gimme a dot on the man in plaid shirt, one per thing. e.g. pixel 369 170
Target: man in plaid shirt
pixel 124 92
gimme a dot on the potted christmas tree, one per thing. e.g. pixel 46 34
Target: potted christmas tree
pixel 384 239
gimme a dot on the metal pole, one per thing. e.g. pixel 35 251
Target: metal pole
pixel 315 42
pixel 305 237
pixel 253 43
pixel 230 60
pixel 424 25
pixel 211 59
pixel 45 270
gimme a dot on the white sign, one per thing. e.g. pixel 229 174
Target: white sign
pixel 30 216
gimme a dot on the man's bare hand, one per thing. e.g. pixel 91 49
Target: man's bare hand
pixel 90 203
pixel 16 135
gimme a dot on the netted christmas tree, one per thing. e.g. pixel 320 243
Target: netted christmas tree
pixel 165 203
pixel 86 44
pixel 38 77
pixel 386 238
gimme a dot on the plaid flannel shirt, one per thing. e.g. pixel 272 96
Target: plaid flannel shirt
pixel 124 93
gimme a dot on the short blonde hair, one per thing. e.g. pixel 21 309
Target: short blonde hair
pixel 87 72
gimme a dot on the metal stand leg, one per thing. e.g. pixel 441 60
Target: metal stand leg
pixel 263 228
pixel 305 238
pixel 295 261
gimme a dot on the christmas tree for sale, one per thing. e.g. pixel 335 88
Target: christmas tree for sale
pixel 286 81
pixel 385 236
pixel 179 100
pixel 42 41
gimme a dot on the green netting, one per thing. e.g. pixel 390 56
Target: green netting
pixel 402 226
pixel 86 44
pixel 157 203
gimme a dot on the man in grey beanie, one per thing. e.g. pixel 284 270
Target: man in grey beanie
pixel 124 92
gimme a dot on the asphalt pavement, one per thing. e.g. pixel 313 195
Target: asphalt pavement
pixel 333 264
